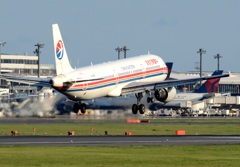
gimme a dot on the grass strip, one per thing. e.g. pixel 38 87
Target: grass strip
pixel 119 129
pixel 137 156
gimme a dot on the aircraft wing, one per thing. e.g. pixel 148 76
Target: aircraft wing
pixel 27 80
pixel 138 87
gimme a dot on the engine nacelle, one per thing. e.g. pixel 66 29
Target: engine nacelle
pixel 165 94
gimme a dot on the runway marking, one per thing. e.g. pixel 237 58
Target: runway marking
pixel 118 142
pixel 227 137
pixel 81 142
pixel 121 140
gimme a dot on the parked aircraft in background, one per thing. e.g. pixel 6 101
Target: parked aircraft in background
pixel 140 75
pixel 205 91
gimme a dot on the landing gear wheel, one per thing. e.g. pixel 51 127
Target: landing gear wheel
pixel 76 108
pixel 141 109
pixel 83 108
pixel 150 99
pixel 134 108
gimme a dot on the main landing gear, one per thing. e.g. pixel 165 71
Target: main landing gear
pixel 140 107
pixel 79 106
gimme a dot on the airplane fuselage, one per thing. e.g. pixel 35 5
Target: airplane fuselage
pixel 188 96
pixel 108 79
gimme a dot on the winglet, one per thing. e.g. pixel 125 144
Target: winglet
pixel 230 74
pixel 169 66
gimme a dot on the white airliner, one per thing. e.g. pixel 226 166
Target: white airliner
pixel 140 75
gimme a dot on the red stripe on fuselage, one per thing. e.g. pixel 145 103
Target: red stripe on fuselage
pixel 120 78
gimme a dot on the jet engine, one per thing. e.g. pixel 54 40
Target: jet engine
pixel 165 94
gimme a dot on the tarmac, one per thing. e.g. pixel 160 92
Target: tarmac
pixel 119 140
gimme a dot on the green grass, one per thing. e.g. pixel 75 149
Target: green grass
pixel 136 129
pixel 120 128
pixel 137 156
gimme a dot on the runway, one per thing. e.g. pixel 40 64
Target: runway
pixel 118 140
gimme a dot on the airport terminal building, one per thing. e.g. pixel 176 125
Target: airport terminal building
pixel 24 65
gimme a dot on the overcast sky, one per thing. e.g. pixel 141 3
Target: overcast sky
pixel 92 29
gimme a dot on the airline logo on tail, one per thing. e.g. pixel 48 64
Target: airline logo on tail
pixel 60 50
pixel 211 85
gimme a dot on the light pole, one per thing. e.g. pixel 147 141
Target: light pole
pixel 1 44
pixel 201 51
pixel 125 49
pixel 37 52
pixel 218 56
pixel 118 49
